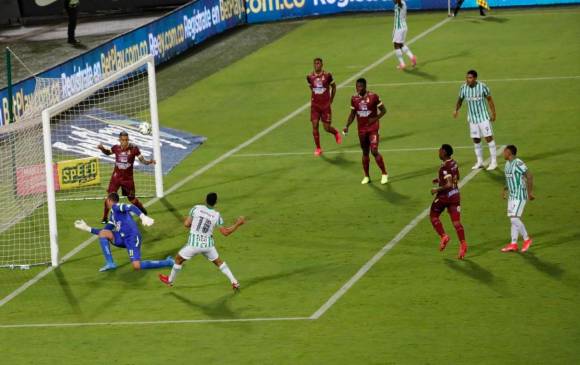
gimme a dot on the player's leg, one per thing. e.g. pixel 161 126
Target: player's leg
pixel 487 133
pixel 366 150
pixel 436 208
pixel 134 250
pixel 481 10
pixel 475 134
pixel 105 237
pixel 114 185
pixel 213 256
pixel 315 116
pixel 398 45
pixel 327 123
pixel 457 7
pixel 515 211
pixel 186 253
pixel 128 190
pixel 406 50
pixel 374 144
pixel 455 214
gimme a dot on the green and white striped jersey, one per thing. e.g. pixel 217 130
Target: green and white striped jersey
pixel 204 221
pixel 400 15
pixel 476 97
pixel 515 179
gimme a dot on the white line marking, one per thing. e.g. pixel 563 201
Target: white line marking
pixel 392 243
pixel 128 323
pixel 231 152
pixel 459 82
pixel 276 154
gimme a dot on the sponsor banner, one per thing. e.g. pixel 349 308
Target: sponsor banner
pixel 259 11
pixel 31 179
pixel 81 135
pixel 164 38
pixel 74 174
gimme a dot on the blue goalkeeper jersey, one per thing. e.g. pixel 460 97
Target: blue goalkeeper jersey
pixel 121 220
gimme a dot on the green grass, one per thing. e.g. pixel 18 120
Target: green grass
pixel 312 225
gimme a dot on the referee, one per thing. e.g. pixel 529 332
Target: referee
pixel 458 6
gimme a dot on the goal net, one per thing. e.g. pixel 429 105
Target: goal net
pixel 54 154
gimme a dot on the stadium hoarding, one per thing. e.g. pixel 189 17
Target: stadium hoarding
pixel 164 38
pixel 260 11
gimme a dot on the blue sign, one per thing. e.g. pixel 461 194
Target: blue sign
pixel 164 38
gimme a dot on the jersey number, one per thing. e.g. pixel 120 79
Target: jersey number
pixel 203 225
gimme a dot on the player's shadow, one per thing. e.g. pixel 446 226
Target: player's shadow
pixel 548 268
pixel 472 270
pixel 422 74
pixel 337 160
pixel 388 193
pixel 495 19
pixel 172 209
pixel 219 308
pixel 416 173
pixel 69 295
pixel 496 176
pixel 463 53
pixel 390 138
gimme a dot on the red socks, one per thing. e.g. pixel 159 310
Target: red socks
pixel 365 162
pixel 316 135
pixel 436 222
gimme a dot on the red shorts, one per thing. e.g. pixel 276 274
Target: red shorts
pixel 127 187
pixel 320 113
pixel 369 139
pixel 452 206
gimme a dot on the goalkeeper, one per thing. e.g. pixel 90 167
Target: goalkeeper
pixel 123 232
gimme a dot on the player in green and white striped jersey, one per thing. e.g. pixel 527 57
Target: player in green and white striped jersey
pixel 201 221
pixel 518 190
pixel 400 33
pixel 478 98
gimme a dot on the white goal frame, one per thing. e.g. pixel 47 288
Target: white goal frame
pixel 47 114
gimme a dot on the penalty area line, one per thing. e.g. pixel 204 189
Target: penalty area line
pixel 337 152
pixel 383 251
pixel 223 157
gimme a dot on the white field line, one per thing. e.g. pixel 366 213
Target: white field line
pixel 142 323
pixel 389 246
pixel 459 82
pixel 211 164
pixel 278 154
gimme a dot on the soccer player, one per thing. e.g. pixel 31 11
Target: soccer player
pixel 201 222
pixel 123 232
pixel 400 33
pixel 125 154
pixel 518 189
pixel 458 6
pixel 447 197
pixel 368 109
pixel 323 90
pixel 479 118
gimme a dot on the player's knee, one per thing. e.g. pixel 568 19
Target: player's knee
pixel 179 260
pixel 375 151
pixel 457 224
pixel 218 262
pixel 136 265
pixel 477 140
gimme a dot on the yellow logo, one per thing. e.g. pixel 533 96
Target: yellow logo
pixel 74 174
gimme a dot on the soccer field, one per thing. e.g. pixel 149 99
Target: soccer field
pixel 313 291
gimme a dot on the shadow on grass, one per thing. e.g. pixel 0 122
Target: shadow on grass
pixel 337 160
pixel 448 57
pixel 472 270
pixel 219 308
pixel 422 74
pixel 172 209
pixel 543 266
pixel 388 193
pixel 495 19
pixel 69 295
pixel 417 173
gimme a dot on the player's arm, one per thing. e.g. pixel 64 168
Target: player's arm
pixel 188 221
pixel 332 91
pixel 130 208
pixel 382 111
pixel 226 231
pixel 505 192
pixel 457 107
pixel 145 161
pixel 349 121
pixel 105 150
pixel 491 107
pixel 448 185
pixel 530 184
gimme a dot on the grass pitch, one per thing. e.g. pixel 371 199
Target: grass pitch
pixel 312 226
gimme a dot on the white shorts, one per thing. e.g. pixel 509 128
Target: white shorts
pixel 188 252
pixel 481 129
pixel 399 36
pixel 515 207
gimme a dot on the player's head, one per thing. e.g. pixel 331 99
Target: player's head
pixel 211 199
pixel 471 77
pixel 361 86
pixel 112 198
pixel 318 64
pixel 445 152
pixel 510 152
pixel 124 139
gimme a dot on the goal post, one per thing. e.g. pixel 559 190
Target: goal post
pixel 50 155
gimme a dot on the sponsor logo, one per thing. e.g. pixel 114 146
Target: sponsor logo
pixel 78 173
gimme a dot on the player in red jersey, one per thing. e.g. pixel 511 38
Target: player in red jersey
pixel 323 90
pixel 447 197
pixel 368 109
pixel 125 154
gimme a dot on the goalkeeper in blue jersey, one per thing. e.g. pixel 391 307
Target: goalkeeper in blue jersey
pixel 122 231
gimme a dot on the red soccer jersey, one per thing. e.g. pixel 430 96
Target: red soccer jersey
pixel 366 107
pixel 124 160
pixel 449 168
pixel 320 86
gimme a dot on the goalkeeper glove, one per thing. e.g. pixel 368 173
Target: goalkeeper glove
pixel 146 221
pixel 82 225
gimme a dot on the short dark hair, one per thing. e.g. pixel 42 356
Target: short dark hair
pixel 318 59
pixel 211 199
pixel 448 149
pixel 472 73
pixel 113 197
pixel 123 134
pixel 513 149
pixel 362 80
